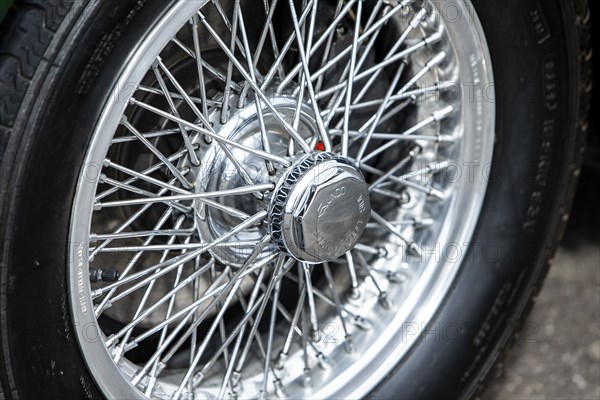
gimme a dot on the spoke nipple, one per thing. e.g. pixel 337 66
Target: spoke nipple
pixel 137 377
pixel 440 166
pixel 384 301
pixel 395 277
pixel 235 378
pixel 279 364
pixel 131 345
pixel 437 194
pixel 433 38
pixel 383 252
pixel 423 223
pixel 414 249
pixel 194 160
pixel 349 345
pixel 443 113
pixel 150 385
pixel 118 352
pixel 323 361
pixel 315 335
pixel 160 367
pixel 418 18
pixel 340 31
pixel 197 378
pixel 405 198
pixel 97 206
pixel 232 395
pixel 279 388
pixel 307 381
pixel 446 139
pixel 355 293
pixel 110 341
pixel 362 323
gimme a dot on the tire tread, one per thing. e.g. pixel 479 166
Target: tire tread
pixel 25 36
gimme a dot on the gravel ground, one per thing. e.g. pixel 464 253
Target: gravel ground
pixel 558 355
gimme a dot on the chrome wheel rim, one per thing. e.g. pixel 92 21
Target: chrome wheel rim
pixel 177 203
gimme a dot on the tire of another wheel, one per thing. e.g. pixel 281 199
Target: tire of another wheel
pixel 58 63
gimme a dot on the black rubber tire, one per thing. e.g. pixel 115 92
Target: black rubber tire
pixel 60 59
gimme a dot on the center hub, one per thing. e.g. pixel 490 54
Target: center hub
pixel 320 208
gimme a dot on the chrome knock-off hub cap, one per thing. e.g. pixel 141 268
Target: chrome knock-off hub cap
pixel 320 209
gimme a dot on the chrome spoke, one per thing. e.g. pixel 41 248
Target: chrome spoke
pixel 254 86
pixel 339 308
pixel 118 351
pixel 195 127
pixel 174 170
pixel 161 82
pixel 175 157
pixel 412 25
pixel 280 270
pixel 267 31
pixel 206 65
pixel 105 303
pixel 241 328
pixel 352 74
pixel 412 246
pixel 270 338
pixel 184 197
pixel 232 44
pixel 175 262
pixel 435 117
pixel 127 223
pixel 298 68
pixel 374 121
pixel 314 321
pixel 303 50
pixel 266 146
pixel 293 324
pixel 136 190
pixel 379 66
pixel 373 30
pixel 199 64
pixel 177 96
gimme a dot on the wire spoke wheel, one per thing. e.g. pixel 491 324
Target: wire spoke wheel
pixel 273 194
